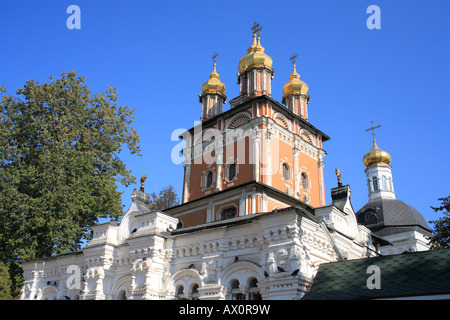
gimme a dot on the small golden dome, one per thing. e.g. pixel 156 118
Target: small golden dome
pixel 295 85
pixel 213 85
pixel 376 155
pixel 255 57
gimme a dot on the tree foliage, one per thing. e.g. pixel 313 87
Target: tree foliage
pixel 5 283
pixel 441 232
pixel 166 198
pixel 59 164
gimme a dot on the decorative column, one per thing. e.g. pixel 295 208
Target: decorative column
pixel 187 178
pixel 243 203
pixel 99 295
pixel 256 161
pixel 320 164
pixel 268 157
pixel 253 203
pixel 296 151
pixel 219 164
pixel 210 211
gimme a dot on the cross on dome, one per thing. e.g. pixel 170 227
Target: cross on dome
pixel 256 28
pixel 293 58
pixel 214 57
pixel 373 130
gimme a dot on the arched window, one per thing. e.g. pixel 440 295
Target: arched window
pixel 253 291
pixel 236 293
pixel 375 183
pixel 231 171
pixel 384 183
pixel 285 171
pixel 208 179
pixel 194 292
pixel 304 180
pixel 122 295
pixel 180 293
pixel 390 184
pixel 228 213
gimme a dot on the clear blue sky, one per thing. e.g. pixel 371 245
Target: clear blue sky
pixel 158 53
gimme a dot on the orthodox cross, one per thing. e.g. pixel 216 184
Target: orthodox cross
pixel 256 28
pixel 373 130
pixel 214 57
pixel 293 58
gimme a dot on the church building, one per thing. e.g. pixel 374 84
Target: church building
pixel 253 223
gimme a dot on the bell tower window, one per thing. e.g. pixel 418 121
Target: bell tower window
pixel 304 181
pixel 375 183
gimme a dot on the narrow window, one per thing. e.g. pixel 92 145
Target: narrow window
pixel 253 291
pixel 285 171
pixel 194 292
pixel 231 171
pixel 208 179
pixel 236 293
pixel 384 183
pixel 180 293
pixel 375 183
pixel 304 180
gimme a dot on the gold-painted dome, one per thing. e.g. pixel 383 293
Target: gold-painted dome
pixel 255 57
pixel 213 85
pixel 376 155
pixel 295 85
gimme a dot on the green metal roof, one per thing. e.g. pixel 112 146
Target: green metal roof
pixel 404 275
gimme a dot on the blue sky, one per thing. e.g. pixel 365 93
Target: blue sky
pixel 158 53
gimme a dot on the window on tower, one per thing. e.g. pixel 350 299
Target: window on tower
pixel 304 180
pixel 384 183
pixel 231 171
pixel 285 171
pixel 375 183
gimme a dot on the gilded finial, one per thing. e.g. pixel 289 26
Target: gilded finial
pixel 338 175
pixel 143 178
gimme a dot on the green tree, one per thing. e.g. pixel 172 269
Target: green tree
pixel 166 198
pixel 441 232
pixel 59 165
pixel 5 283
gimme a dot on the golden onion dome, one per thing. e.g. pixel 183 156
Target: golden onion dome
pixel 255 57
pixel 295 85
pixel 376 156
pixel 213 84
